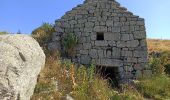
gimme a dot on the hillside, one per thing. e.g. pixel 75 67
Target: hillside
pixel 158 45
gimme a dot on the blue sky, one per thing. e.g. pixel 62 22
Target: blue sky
pixel 26 15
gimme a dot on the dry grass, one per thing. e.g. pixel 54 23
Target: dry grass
pixel 158 45
pixel 157 87
pixel 59 79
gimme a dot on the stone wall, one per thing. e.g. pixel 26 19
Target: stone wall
pixel 123 44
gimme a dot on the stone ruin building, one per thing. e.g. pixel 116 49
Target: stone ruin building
pixel 109 36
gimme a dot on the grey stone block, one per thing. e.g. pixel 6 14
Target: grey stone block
pixel 93 53
pixel 85 59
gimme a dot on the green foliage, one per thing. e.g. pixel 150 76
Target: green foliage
pixel 69 42
pixel 43 87
pixel 160 64
pixel 1 33
pixel 43 35
pixel 157 87
pixel 156 66
pixel 167 68
pixel 166 62
pixel 91 71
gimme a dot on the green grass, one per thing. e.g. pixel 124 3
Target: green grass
pixel 157 87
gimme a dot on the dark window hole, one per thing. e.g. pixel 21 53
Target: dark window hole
pixel 100 36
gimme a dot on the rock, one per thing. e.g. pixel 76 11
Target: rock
pixel 117 24
pixel 116 52
pixel 126 53
pixel 125 37
pixel 112 36
pixel 140 53
pixel 68 97
pixel 101 43
pixel 86 46
pixel 132 43
pixel 109 23
pixel 138 74
pixel 121 44
pixel 110 62
pixel 84 59
pixel 100 53
pixel 115 29
pixel 85 52
pixel 140 23
pixel 109 54
pixel 128 68
pixel 93 53
pixel 100 29
pixel 21 59
pixel 89 24
pixel 139 35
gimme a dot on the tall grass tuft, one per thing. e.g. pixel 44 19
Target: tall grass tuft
pixel 61 78
pixel 157 87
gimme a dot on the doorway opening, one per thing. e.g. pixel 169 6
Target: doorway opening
pixel 110 73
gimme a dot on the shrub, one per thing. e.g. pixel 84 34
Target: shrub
pixel 166 61
pixel 159 64
pixel 69 42
pixel 156 66
pixel 167 69
pixel 43 35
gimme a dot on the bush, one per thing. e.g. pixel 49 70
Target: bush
pixel 69 42
pixel 160 64
pixel 43 35
pixel 167 69
pixel 156 66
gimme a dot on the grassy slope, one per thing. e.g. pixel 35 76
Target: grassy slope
pixel 158 45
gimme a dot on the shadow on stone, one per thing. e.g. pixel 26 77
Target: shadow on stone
pixel 110 73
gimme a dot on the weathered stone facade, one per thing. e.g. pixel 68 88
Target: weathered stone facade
pixel 108 34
